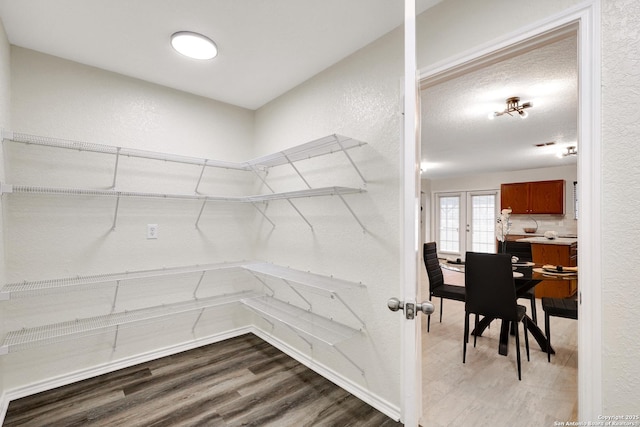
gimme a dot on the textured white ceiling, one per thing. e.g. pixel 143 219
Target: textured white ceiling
pixel 266 47
pixel 458 138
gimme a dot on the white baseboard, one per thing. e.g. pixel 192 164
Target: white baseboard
pixel 382 405
pixel 363 394
pixel 4 405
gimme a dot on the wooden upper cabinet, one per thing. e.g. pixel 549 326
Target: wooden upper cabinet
pixel 539 197
pixel 515 196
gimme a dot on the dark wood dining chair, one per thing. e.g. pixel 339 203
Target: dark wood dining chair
pixel 437 287
pixel 490 291
pixel 522 250
pixel 559 307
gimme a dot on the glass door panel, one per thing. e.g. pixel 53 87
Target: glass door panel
pixel 475 213
pixel 482 213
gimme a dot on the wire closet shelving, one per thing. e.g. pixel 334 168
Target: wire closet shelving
pixel 319 147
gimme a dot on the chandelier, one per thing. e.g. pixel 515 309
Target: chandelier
pixel 513 107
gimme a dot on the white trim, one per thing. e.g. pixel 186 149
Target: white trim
pixel 4 405
pixel 590 399
pixel 587 16
pixel 384 406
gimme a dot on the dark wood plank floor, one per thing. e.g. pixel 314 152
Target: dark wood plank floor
pixel 242 381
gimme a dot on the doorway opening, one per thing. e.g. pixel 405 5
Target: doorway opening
pixel 448 351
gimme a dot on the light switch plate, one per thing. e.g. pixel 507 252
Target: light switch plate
pixel 152 231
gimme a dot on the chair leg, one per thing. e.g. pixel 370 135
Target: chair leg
pixel 441 309
pixel 547 332
pixel 466 337
pixel 477 326
pixel 526 337
pixel 518 351
pixel 429 318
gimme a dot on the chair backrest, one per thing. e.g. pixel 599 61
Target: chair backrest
pixel 520 249
pixel 490 288
pixel 434 272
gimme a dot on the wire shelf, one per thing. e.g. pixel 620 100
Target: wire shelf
pixel 311 280
pixel 39 287
pixel 314 192
pixel 319 147
pixel 302 321
pixel 322 146
pixel 109 149
pixel 58 332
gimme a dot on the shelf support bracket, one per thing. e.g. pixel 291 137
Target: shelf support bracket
pixel 115 339
pixel 350 159
pixel 204 165
pixel 115 214
pixel 271 189
pixel 193 328
pixel 298 293
pixel 296 169
pixel 115 296
pixel 115 169
pixel 364 230
pixel 263 214
pixel 263 282
pixel 300 213
pixel 201 210
pixel 298 334
pixel 195 291
pixel 264 181
pixel 335 295
pixel 349 360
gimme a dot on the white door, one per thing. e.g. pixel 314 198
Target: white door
pixel 465 221
pixel 482 212
pixel 411 388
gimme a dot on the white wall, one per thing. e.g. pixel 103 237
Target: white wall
pixel 358 97
pixel 5 97
pixel 491 181
pixel 620 204
pixel 50 237
pixel 455 26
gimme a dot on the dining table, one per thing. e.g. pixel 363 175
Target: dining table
pixel 526 276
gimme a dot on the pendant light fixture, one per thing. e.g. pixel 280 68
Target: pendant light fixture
pixel 194 45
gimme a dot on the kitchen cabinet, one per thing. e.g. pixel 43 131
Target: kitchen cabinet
pixel 556 254
pixel 538 197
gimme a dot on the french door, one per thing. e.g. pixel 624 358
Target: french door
pixel 465 221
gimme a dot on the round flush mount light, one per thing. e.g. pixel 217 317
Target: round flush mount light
pixel 194 45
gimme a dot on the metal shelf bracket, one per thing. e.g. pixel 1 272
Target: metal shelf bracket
pixel 364 230
pixel 364 181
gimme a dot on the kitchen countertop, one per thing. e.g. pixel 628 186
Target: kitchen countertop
pixel 544 240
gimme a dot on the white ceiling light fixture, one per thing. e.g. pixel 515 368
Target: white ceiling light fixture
pixel 513 107
pixel 194 45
